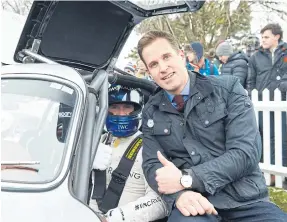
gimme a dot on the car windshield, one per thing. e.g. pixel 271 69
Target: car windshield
pixel 35 119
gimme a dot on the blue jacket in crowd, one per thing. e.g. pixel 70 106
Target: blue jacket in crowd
pixel 206 70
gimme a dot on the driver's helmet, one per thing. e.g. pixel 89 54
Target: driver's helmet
pixel 127 125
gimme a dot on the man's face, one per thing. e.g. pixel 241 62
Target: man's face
pixel 269 40
pixel 223 59
pixel 121 109
pixel 166 65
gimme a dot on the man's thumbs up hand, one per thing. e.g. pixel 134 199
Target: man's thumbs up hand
pixel 168 176
pixel 163 160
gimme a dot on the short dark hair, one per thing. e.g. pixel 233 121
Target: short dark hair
pixel 151 36
pixel 274 28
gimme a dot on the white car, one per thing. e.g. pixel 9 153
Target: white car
pixel 67 50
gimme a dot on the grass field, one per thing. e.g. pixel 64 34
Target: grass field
pixel 279 197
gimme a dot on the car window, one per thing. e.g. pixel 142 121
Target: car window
pixel 35 119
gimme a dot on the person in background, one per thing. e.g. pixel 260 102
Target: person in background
pixel 233 63
pixel 250 44
pixel 141 71
pixel 130 68
pixel 137 202
pixel 196 61
pixel 268 70
pixel 212 58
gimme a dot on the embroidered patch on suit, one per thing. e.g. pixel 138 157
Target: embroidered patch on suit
pixel 116 142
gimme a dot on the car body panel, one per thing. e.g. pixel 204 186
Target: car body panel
pixel 56 205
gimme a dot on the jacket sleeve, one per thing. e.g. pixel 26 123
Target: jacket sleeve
pixel 251 75
pixel 243 146
pixel 147 208
pixel 151 162
pixel 240 71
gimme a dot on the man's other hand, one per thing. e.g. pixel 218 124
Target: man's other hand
pixel 168 177
pixel 191 203
pixel 115 215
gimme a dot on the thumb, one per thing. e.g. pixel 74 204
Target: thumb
pixel 162 159
pixel 214 212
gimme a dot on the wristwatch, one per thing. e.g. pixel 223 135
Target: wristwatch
pixel 186 180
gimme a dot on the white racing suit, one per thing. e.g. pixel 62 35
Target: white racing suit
pixel 138 201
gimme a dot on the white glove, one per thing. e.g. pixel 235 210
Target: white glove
pixel 103 157
pixel 115 215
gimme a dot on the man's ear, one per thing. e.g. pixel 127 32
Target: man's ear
pixel 277 37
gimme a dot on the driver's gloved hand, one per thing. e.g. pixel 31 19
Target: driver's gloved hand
pixel 103 157
pixel 115 215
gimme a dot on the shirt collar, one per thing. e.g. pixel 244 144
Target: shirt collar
pixel 184 92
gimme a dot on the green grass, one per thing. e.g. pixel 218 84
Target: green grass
pixel 279 197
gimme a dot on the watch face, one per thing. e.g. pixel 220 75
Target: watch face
pixel 186 181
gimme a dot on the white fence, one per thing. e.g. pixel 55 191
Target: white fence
pixel 266 106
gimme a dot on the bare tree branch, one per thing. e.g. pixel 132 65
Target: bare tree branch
pixel 18 6
pixel 267 5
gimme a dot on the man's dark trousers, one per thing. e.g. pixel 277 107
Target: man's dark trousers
pixel 256 212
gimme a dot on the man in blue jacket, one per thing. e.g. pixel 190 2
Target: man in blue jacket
pixel 196 61
pixel 201 145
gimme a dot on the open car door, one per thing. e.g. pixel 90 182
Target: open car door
pixel 88 34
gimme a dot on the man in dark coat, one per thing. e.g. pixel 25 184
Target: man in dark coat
pixel 268 70
pixel 201 144
pixel 234 63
